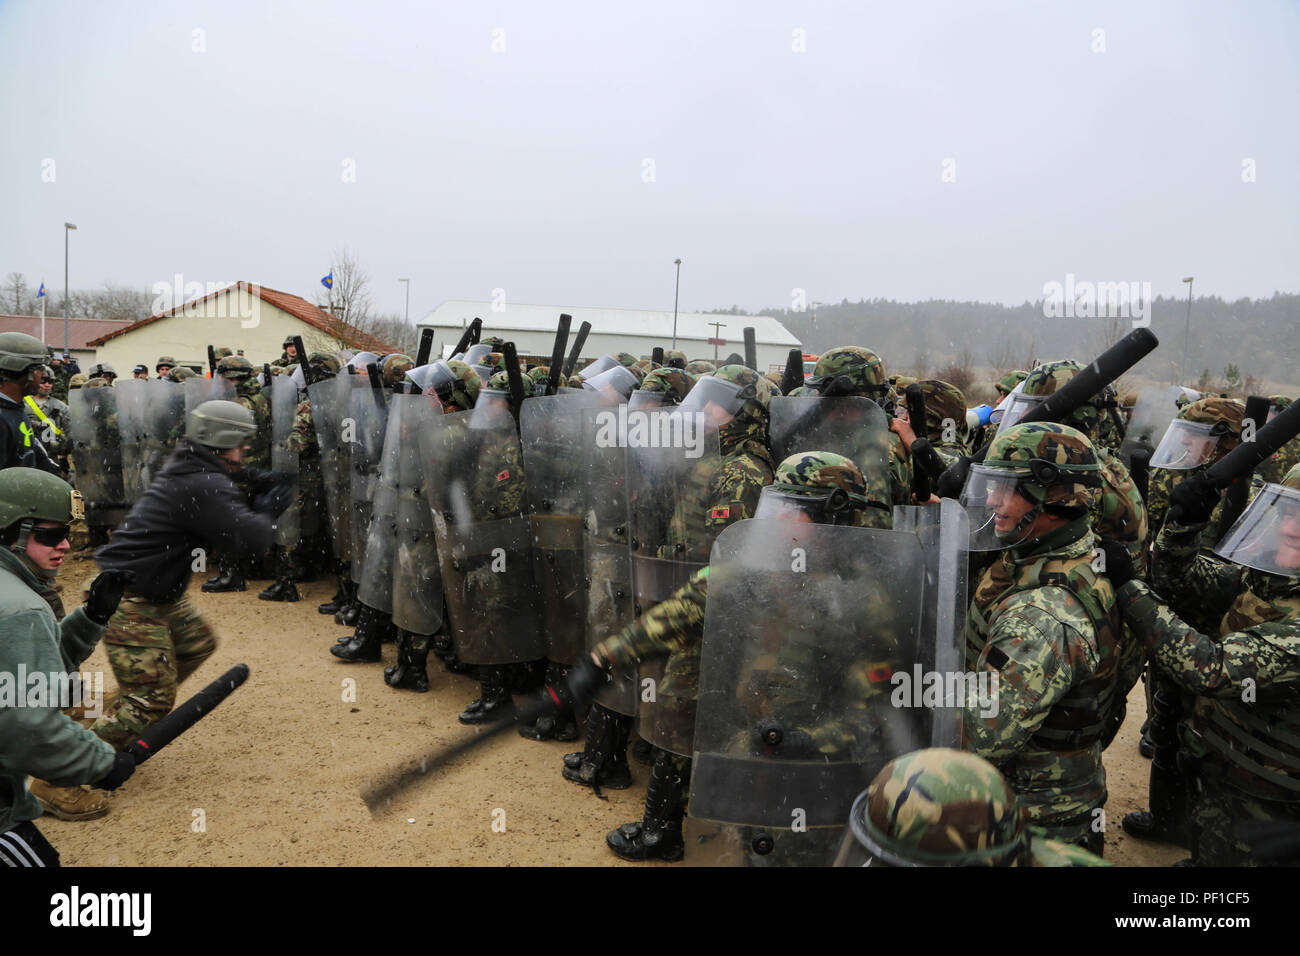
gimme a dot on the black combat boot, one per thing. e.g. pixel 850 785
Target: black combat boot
pixel 494 701
pixel 348 615
pixel 334 604
pixel 643 751
pixel 364 645
pixel 1167 820
pixel 230 578
pixel 603 761
pixel 284 588
pixel 562 724
pixel 444 648
pixel 409 673
pixel 659 834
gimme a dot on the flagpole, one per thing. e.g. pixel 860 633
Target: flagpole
pixel 43 298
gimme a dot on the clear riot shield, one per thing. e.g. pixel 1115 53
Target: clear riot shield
pixel 610 604
pixel 365 426
pixel 827 652
pixel 555 445
pixel 417 578
pixel 375 586
pixel 96 450
pixel 199 390
pixel 329 402
pixel 284 413
pixel 1156 407
pixel 150 417
pixel 672 458
pixel 852 426
pixel 474 481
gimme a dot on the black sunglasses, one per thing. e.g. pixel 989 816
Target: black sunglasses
pixel 51 537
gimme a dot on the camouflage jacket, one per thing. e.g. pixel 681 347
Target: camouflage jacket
pixel 1053 664
pixel 250 395
pixel 1241 659
pixel 302 439
pixel 54 433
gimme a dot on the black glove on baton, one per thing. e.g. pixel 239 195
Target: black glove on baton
pixel 106 594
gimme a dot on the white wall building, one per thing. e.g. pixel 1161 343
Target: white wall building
pixel 532 329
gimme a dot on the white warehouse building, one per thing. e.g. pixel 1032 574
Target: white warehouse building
pixel 532 329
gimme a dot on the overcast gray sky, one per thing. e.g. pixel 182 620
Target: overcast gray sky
pixel 793 145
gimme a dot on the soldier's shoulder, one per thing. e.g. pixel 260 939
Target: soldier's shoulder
pixel 1051 611
pixel 743 469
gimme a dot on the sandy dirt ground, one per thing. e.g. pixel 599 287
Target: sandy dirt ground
pixel 273 776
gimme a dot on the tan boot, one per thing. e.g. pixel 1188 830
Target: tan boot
pixel 70 803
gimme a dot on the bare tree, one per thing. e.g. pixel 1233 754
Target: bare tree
pixel 392 328
pixel 348 300
pixel 16 287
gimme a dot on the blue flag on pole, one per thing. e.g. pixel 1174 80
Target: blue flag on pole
pixel 328 281
pixel 41 294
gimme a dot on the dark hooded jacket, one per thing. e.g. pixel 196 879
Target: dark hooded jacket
pixel 192 504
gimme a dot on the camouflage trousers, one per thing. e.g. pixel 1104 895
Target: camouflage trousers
pixel 1215 813
pixel 152 649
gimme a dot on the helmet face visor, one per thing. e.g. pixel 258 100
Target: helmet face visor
pixel 1267 535
pixel 808 506
pixel 437 379
pixel 718 399
pixel 996 508
pixel 491 411
pixel 1017 406
pixel 615 384
pixel 644 399
pixel 602 364
pixel 476 354
pixel 1188 444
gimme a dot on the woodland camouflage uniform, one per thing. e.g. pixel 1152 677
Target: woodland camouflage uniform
pixel 1046 624
pixel 1239 742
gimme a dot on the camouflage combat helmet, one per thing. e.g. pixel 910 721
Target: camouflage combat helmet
pixel 943 402
pixel 1203 431
pixel 663 386
pixel 736 399
pixel 493 342
pixel 701 367
pixel 1048 378
pixel 235 367
pixel 1007 383
pixel 288 340
pixel 775 381
pixel 1292 478
pixel 165 361
pixel 646 366
pixel 901 382
pixel 1057 462
pixel 1052 466
pixel 1278 402
pixel 324 363
pixel 495 360
pixel 464 393
pixel 941 807
pixel 826 487
pixel 180 373
pixel 500 381
pixel 80 379
pixel 849 370
pixel 222 352
pixel 625 359
pixel 19 352
pixel 97 382
pixel 395 367
pixel 673 358
pixel 220 424
pixel 103 370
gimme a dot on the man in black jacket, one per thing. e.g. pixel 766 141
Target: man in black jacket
pixel 157 639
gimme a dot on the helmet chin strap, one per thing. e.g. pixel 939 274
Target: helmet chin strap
pixel 1015 535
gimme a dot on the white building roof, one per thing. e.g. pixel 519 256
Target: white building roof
pixel 644 323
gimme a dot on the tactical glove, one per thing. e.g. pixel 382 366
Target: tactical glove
pixel 106 594
pixel 123 767
pixel 273 500
pixel 1119 563
pixel 1193 500
pixel 585 679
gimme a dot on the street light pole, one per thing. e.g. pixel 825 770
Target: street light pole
pixel 676 289
pixel 67 227
pixel 1187 331
pixel 408 299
